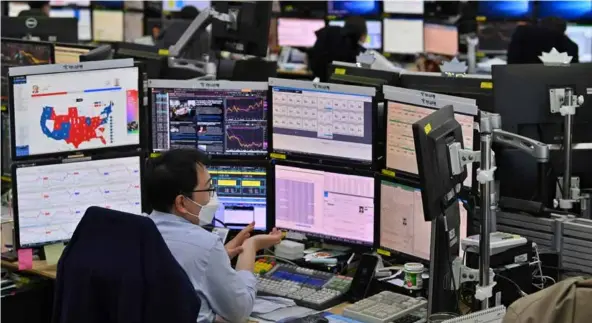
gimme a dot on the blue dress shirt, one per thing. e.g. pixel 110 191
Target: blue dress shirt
pixel 223 291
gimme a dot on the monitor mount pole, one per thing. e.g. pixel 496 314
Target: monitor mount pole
pixel 490 132
pixel 564 102
pixel 199 24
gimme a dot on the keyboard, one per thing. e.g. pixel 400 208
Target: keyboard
pixel 307 287
pixel 383 307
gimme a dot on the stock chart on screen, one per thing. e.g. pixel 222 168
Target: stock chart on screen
pixel 242 191
pixel 51 199
pixel 76 111
pixel 220 122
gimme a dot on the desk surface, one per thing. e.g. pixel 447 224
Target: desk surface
pixel 40 267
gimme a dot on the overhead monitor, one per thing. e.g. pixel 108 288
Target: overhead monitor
pixel 374 39
pixel 17 52
pixel 297 32
pixel 496 36
pixel 325 204
pixel 508 9
pixel 61 112
pixel 222 118
pixel 403 6
pixel 242 191
pixel 353 8
pixel 41 28
pixel 581 35
pixel 69 55
pixel 404 108
pixel 15 8
pixel 51 198
pixel 133 5
pixel 574 10
pixel 403 228
pixel 107 25
pixel 177 5
pixel 133 24
pixel 322 120
pixel 63 3
pixel 440 39
pixel 403 36
pixel 83 17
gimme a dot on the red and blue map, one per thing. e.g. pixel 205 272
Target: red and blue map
pixel 73 128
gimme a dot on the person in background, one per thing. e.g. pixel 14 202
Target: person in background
pixel 197 46
pixel 529 41
pixel 336 43
pixel 36 9
pixel 180 190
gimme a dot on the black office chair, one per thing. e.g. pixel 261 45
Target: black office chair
pixel 118 269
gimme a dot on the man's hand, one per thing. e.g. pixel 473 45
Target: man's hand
pixel 264 241
pixel 235 246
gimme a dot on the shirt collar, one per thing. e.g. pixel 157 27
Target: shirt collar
pixel 169 217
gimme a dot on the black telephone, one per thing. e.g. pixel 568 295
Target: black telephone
pixel 363 277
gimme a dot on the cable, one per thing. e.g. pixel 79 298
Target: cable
pixel 520 291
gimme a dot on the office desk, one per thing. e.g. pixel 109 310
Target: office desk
pixel 40 267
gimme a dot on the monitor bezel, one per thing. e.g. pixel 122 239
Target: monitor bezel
pixel 72 68
pixel 65 160
pixel 327 87
pixel 271 206
pixel 32 42
pixel 463 106
pixel 207 85
pixel 250 163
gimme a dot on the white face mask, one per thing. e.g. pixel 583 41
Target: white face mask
pixel 207 212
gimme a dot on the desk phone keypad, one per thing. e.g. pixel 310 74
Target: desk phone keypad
pixel 262 266
pixel 307 287
pixel 383 307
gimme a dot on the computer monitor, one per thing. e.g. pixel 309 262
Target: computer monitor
pixel 50 198
pixel 133 25
pixel 222 118
pixel 403 36
pixel 406 107
pixel 70 53
pixel 573 10
pixel 5 142
pixel 404 7
pixel 509 9
pixel 16 52
pixel 403 228
pixel 374 39
pixel 15 8
pixel 297 32
pixel 581 35
pixel 107 25
pixel 331 122
pixel 353 8
pixel 333 204
pixel 63 3
pixel 83 17
pixel 242 191
pixel 495 37
pixel 176 5
pixel 440 39
pixel 41 28
pixel 133 5
pixel 65 109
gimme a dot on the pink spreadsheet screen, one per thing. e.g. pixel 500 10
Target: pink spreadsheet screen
pixel 400 152
pixel 298 32
pixel 325 204
pixel 440 39
pixel 402 225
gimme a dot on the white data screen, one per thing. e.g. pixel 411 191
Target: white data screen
pixel 107 25
pixel 403 36
pixel 296 32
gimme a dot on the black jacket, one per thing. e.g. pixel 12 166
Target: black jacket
pixel 118 269
pixel 528 42
pixel 333 44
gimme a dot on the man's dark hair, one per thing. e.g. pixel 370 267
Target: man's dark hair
pixel 355 26
pixel 170 174
pixel 554 23
pixel 38 4
pixel 188 13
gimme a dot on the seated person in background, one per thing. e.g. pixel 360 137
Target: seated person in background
pixel 180 191
pixel 36 9
pixel 530 41
pixel 199 43
pixel 336 43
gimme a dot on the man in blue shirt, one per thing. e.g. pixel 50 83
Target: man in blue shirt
pixel 180 190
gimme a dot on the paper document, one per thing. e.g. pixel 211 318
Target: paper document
pixel 268 304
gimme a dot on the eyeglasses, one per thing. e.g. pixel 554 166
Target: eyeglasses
pixel 212 191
